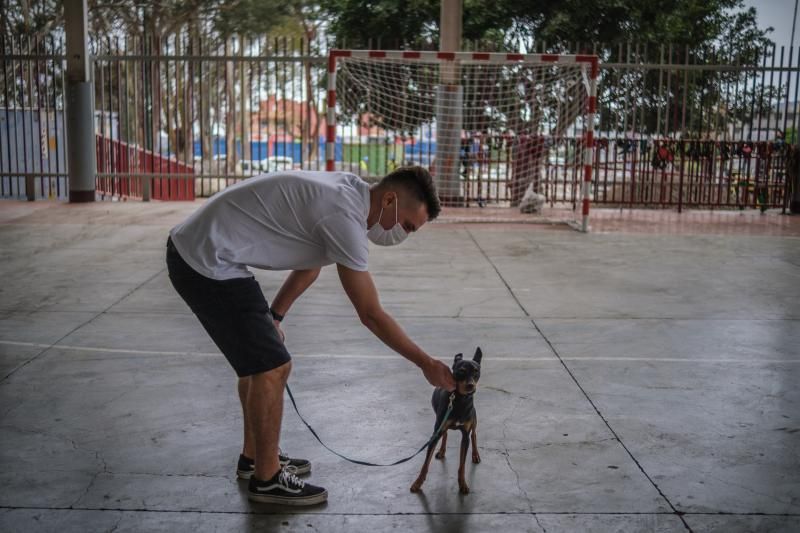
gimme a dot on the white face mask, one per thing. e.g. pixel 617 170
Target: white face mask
pixel 390 237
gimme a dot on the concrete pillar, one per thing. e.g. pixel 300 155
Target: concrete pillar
pixel 81 154
pixel 449 106
pixel 449 122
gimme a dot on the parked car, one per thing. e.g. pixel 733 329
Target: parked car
pixel 248 166
pixel 269 164
pixel 279 162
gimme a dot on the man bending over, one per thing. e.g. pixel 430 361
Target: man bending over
pixel 298 221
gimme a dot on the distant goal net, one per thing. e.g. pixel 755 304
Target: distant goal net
pixel 507 133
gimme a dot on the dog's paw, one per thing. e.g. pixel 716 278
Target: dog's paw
pixel 463 488
pixel 476 458
pixel 440 455
pixel 416 487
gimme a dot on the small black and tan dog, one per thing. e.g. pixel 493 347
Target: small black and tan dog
pixel 462 417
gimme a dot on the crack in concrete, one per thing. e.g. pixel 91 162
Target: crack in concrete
pixel 115 526
pixel 536 517
pixel 99 457
pixel 161 474
pixel 42 433
pixel 100 460
pixel 508 458
pixel 472 304
pixel 86 490
pixel 505 450
pixel 647 476
pixel 122 394
pixel 455 513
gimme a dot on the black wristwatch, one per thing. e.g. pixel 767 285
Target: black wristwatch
pixel 277 317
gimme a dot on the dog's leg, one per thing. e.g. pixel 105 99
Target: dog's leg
pixel 462 483
pixel 476 457
pixel 440 454
pixel 417 486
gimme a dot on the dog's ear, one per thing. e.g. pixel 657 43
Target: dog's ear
pixel 478 355
pixel 459 357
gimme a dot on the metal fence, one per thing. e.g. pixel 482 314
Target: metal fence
pixel 32 133
pixel 184 116
pixel 684 173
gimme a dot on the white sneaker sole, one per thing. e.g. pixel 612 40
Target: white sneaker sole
pixel 247 474
pixel 295 501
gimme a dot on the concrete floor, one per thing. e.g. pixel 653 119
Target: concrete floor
pixel 631 382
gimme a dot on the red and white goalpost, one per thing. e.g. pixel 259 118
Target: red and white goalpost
pixel 496 128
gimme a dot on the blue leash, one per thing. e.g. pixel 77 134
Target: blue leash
pixel 431 440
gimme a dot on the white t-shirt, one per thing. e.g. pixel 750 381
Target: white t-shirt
pixel 282 221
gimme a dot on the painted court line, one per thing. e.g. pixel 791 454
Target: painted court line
pixel 390 356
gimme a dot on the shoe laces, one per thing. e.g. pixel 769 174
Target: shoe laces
pixel 289 479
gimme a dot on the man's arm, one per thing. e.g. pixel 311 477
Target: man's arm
pixel 295 285
pixel 364 296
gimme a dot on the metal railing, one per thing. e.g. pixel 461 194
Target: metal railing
pixel 206 113
pixel 32 132
pixel 691 173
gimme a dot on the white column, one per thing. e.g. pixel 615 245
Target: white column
pixel 449 105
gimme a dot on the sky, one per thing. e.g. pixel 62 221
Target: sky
pixel 778 14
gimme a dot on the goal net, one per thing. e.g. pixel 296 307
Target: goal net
pixel 506 133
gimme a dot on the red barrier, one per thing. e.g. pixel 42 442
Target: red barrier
pixel 118 157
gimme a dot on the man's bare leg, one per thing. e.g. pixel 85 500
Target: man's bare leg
pixel 249 446
pixel 264 411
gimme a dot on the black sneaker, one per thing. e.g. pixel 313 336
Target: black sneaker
pixel 285 488
pixel 300 466
pixel 246 467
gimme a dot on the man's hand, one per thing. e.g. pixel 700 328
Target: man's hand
pixel 280 331
pixel 438 374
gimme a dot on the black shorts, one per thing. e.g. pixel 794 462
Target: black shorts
pixel 235 314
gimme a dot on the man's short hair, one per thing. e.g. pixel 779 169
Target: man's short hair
pixel 417 181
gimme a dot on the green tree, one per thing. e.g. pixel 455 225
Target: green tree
pixel 519 24
pixel 177 26
pixel 159 27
